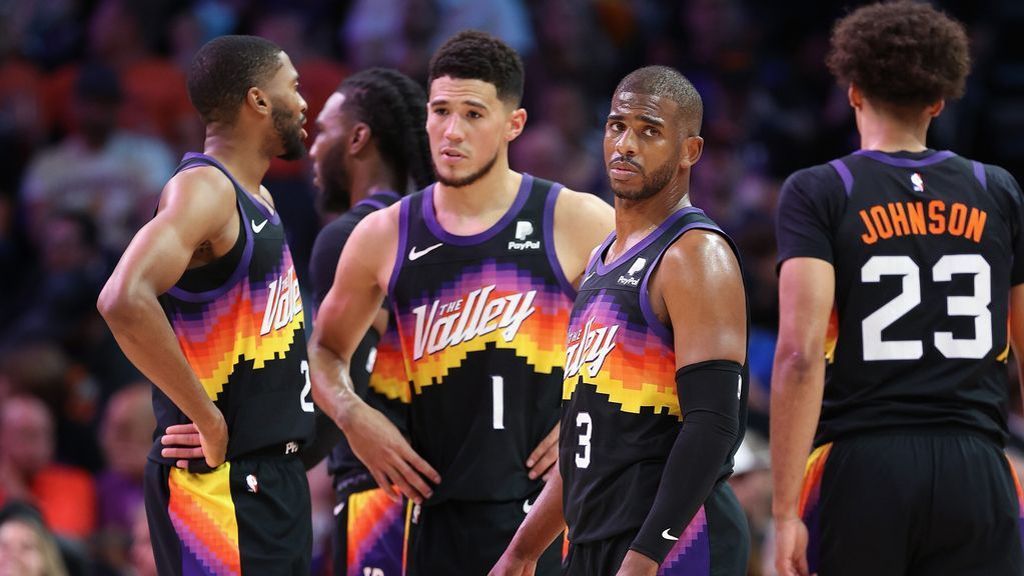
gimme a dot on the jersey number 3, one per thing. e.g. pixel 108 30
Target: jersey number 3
pixel 975 305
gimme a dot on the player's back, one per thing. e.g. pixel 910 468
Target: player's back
pixel 923 246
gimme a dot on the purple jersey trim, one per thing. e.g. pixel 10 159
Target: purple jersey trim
pixel 844 173
pixel 906 162
pixel 430 218
pixel 603 268
pixel 376 201
pixel 657 326
pixel 979 173
pixel 274 217
pixel 403 236
pixel 549 241
pixel 240 272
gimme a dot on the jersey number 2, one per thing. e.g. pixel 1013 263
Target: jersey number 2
pixel 304 401
pixel 975 305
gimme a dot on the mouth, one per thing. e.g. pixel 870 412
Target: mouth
pixel 451 155
pixel 305 134
pixel 622 170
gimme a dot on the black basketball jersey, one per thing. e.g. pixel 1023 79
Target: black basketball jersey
pixel 925 248
pixel 621 413
pixel 481 321
pixel 239 321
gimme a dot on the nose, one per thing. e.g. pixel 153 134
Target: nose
pixel 453 128
pixel 302 105
pixel 625 144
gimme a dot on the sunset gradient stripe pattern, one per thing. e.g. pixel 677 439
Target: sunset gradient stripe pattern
pixel 226 331
pixel 203 515
pixel 389 378
pixel 540 340
pixel 809 496
pixel 639 372
pixel 691 555
pixel 371 517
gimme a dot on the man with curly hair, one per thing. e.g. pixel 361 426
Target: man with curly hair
pixel 899 266
pixel 480 271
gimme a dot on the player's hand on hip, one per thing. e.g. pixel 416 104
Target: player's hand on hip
pixel 181 442
pixel 512 565
pixel 544 457
pixel 387 455
pixel 791 547
pixel 636 564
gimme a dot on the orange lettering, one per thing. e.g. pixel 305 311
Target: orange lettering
pixel 869 237
pixel 881 220
pixel 936 209
pixel 899 219
pixel 976 224
pixel 916 212
pixel 957 219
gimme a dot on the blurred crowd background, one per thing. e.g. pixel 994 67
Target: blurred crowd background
pixel 94 115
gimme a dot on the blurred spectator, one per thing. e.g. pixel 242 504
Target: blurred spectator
pixel 65 496
pixel 126 435
pixel 751 481
pixel 112 175
pixel 141 555
pixel 27 548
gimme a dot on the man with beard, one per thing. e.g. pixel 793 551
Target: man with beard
pixel 370 148
pixel 655 372
pixel 479 270
pixel 205 302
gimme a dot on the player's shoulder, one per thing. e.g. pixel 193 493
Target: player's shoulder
pixel 204 187
pixel 701 247
pixel 378 226
pixel 820 178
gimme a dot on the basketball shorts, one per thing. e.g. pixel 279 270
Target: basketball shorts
pixel 248 517
pixel 370 534
pixel 455 537
pixel 912 504
pixel 715 543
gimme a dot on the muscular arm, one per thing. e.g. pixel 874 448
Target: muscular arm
pixel 197 208
pixel 346 313
pixel 806 294
pixel 699 285
pixel 582 221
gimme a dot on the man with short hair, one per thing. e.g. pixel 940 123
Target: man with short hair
pixel 898 268
pixel 655 373
pixel 479 271
pixel 205 302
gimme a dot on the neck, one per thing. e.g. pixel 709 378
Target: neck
pixel 494 192
pixel 235 151
pixel 880 130
pixel 372 177
pixel 634 219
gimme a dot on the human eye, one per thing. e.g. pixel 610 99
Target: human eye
pixel 651 131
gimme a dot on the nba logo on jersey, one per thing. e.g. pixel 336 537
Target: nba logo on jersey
pixel 523 230
pixel 917 182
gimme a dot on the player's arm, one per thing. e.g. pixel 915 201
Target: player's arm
pixel 197 207
pixel 1017 330
pixel 346 313
pixel 542 525
pixel 698 283
pixel 806 294
pixel 582 221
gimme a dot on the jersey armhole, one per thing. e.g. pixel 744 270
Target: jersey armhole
pixel 236 276
pixel 663 330
pixel 549 241
pixel 403 235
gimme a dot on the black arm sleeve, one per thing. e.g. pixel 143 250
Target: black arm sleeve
pixel 709 398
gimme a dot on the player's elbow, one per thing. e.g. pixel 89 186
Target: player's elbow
pixel 797 361
pixel 116 304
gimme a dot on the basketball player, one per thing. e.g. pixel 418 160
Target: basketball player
pixel 371 146
pixel 655 372
pixel 479 271
pixel 899 265
pixel 206 304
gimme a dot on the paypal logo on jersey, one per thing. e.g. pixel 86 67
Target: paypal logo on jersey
pixel 630 278
pixel 524 228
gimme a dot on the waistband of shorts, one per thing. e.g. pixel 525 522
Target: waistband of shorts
pixel 289 449
pixel 947 430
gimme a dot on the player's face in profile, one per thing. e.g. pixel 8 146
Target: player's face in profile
pixel 327 152
pixel 642 145
pixel 467 124
pixel 288 111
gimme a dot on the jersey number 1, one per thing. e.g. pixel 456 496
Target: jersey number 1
pixel 975 305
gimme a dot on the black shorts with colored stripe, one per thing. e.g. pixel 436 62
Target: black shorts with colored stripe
pixel 457 537
pixel 248 517
pixel 715 543
pixel 370 533
pixel 912 504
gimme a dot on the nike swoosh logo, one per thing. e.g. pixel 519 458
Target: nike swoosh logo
pixel 339 508
pixel 668 536
pixel 527 506
pixel 257 227
pixel 415 255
